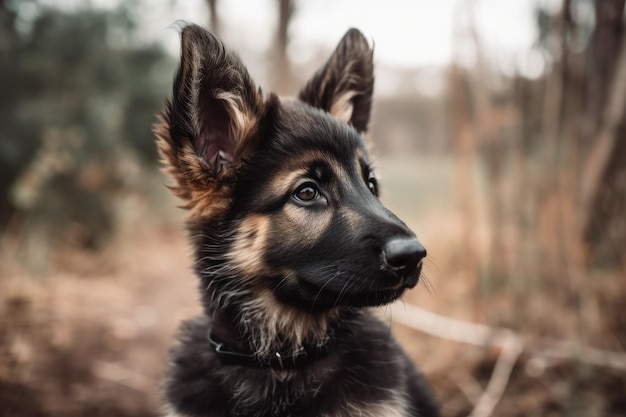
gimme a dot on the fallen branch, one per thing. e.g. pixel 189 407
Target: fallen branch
pixel 560 350
pixel 509 344
pixel 512 348
pixel 443 327
pixel 486 336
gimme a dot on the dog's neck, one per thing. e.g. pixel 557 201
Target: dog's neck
pixel 264 330
pixel 280 360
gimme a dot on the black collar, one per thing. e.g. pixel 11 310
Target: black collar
pixel 278 361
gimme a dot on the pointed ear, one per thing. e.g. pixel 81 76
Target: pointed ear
pixel 215 111
pixel 344 86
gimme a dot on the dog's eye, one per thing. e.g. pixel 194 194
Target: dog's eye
pixel 372 184
pixel 306 193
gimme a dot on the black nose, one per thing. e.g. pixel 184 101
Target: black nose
pixel 402 255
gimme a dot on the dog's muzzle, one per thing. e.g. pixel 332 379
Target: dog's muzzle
pixel 403 255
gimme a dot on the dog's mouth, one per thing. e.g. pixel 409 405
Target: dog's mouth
pixel 387 295
pixel 315 294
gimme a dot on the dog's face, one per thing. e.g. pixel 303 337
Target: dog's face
pixel 282 196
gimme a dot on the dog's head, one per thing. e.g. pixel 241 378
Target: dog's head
pixel 282 197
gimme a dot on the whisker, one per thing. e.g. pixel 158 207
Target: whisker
pixel 426 283
pixel 337 273
pixel 341 292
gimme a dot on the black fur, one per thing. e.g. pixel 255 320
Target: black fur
pixel 367 366
pixel 291 242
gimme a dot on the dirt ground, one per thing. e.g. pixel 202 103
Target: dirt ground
pixel 92 338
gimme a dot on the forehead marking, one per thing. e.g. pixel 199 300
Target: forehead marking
pixel 299 167
pixel 285 180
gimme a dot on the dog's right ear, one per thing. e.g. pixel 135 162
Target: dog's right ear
pixel 206 129
pixel 345 84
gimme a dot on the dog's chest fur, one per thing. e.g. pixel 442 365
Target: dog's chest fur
pixel 365 375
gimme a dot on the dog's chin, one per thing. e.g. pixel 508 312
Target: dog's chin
pixel 373 299
pixel 314 297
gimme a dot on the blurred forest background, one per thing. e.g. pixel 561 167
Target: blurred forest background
pixel 514 177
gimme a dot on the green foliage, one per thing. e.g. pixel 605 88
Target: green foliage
pixel 79 96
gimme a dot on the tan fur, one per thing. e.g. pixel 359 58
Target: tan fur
pixel 203 195
pixel 168 411
pixel 303 161
pixel 247 251
pixel 343 82
pixel 285 180
pixel 310 226
pixel 281 321
pixel 342 106
pixel 299 164
pixel 243 122
pixel 354 219
pixel 174 414
pixel 387 409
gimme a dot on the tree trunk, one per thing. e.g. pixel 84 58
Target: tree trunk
pixel 603 188
pixel 283 73
pixel 214 19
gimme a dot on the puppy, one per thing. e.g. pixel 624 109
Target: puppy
pixel 291 244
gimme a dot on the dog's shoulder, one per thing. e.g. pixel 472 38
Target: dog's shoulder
pixel 388 379
pixel 190 388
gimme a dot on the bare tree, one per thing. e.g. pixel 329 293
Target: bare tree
pixel 603 193
pixel 214 18
pixel 283 70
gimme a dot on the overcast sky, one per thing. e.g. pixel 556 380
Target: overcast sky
pixel 406 33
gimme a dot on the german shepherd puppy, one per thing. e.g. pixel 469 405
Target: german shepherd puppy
pixel 291 244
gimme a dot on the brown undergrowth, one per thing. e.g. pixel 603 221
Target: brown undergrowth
pixel 89 333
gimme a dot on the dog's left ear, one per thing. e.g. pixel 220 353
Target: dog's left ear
pixel 211 124
pixel 344 85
